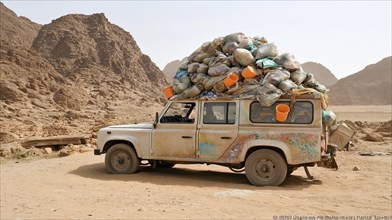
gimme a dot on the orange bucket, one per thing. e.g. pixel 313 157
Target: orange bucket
pixel 230 80
pixel 249 72
pixel 168 92
pixel 282 111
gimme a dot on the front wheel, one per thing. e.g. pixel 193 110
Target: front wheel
pixel 265 168
pixel 121 158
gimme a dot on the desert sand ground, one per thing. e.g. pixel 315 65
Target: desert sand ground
pixel 78 187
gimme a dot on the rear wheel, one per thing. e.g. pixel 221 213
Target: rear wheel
pixel 121 158
pixel 265 168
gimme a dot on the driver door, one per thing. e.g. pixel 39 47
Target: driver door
pixel 175 133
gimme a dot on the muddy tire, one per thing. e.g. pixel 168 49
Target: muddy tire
pixel 265 168
pixel 121 158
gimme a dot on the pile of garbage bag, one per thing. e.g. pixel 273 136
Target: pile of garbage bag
pixel 237 66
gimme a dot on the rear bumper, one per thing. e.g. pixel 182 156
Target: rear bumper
pixel 97 152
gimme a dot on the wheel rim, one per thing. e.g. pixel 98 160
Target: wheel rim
pixel 265 169
pixel 120 160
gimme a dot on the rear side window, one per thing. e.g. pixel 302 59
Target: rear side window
pixel 302 113
pixel 219 113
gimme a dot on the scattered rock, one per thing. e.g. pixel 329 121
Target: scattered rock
pixel 374 137
pixel 355 169
pixel 5 151
pixel 85 149
pixel 385 127
pixel 48 150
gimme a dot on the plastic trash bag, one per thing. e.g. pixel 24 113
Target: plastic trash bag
pixel 275 77
pixel 248 89
pixel 207 60
pixel 298 76
pixel 287 85
pixel 231 61
pixel 192 68
pixel 210 47
pixel 266 100
pixel 310 81
pixel 218 59
pixel 251 81
pixel 219 87
pixel 252 48
pixel 266 50
pixel 179 85
pixel 243 57
pixel 245 42
pixel 218 70
pixel 288 62
pixel 234 88
pixel 236 70
pixel 328 118
pixel 209 95
pixel 191 92
pixel 258 41
pixel 184 65
pixel 266 63
pixel 321 88
pixel 197 78
pixel 230 47
pixel 180 73
pixel 268 95
pixel 203 68
pixel 200 57
pixel 235 37
pixel 211 81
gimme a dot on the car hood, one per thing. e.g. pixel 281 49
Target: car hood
pixel 143 125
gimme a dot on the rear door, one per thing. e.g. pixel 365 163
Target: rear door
pixel 218 128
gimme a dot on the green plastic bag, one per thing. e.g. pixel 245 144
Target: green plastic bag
pixel 266 63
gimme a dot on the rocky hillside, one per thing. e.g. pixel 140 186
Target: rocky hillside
pixel 16 31
pixel 89 45
pixel 79 73
pixel 171 68
pixel 370 86
pixel 321 73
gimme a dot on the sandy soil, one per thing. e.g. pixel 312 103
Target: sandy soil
pixel 370 113
pixel 78 187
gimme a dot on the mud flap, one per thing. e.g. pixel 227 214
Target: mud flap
pixel 328 159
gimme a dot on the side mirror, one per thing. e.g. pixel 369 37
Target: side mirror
pixel 156 120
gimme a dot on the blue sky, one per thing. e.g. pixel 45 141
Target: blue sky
pixel 345 36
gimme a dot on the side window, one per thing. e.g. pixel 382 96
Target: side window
pixel 219 113
pixel 301 114
pixel 180 112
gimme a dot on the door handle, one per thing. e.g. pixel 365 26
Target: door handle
pixel 186 136
pixel 225 137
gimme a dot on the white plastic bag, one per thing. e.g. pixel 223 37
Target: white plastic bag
pixel 243 57
pixel 275 77
pixel 266 50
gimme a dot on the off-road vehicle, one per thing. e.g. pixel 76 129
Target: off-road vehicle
pixel 236 133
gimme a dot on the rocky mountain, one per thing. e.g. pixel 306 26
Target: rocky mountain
pixel 171 68
pixel 16 31
pixel 370 86
pixel 89 45
pixel 80 72
pixel 320 72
